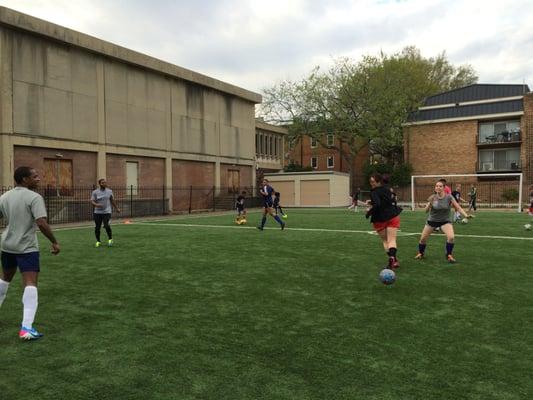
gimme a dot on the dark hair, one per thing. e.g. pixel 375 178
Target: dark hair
pixel 276 194
pixel 21 173
pixel 385 179
pixel 100 180
pixel 442 180
pixel 377 177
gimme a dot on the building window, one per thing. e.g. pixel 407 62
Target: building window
pixel 313 142
pixel 499 160
pixel 331 162
pixel 314 162
pixel 330 140
pixel 499 131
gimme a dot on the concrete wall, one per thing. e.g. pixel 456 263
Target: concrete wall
pixel 62 90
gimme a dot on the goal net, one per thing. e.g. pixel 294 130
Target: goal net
pixel 491 190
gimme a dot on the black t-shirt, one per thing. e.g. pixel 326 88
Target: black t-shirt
pixel 383 205
pixel 456 195
pixel 240 201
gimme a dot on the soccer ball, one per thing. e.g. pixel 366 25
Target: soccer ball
pixel 285 216
pixel 387 276
pixel 464 221
pixel 528 227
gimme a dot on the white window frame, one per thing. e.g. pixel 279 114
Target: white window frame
pixel 315 159
pixel 332 162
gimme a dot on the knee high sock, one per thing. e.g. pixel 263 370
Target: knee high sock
pixel 449 248
pixel 3 290
pixel 421 248
pixel 30 301
pixel 263 221
pixel 277 218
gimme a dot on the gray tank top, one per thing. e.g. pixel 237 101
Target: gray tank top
pixel 440 208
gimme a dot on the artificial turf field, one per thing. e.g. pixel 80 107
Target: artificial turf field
pixel 199 308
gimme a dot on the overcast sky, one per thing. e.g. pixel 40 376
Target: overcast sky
pixel 255 43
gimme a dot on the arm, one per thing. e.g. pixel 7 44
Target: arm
pixel 459 209
pixel 94 203
pixel 112 199
pixel 427 208
pixel 47 231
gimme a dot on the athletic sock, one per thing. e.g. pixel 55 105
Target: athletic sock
pixel 263 221
pixel 449 248
pixel 392 252
pixel 3 290
pixel 421 248
pixel 30 301
pixel 109 233
pixel 277 218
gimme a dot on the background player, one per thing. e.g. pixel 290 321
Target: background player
pixel 267 191
pixel 277 205
pixel 102 200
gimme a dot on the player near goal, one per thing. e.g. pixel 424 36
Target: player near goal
pixel 384 214
pixel 438 207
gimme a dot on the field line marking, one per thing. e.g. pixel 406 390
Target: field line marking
pixel 328 230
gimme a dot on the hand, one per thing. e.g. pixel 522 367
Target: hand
pixel 55 249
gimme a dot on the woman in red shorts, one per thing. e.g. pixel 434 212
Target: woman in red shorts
pixel 385 216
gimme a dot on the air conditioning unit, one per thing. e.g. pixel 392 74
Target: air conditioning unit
pixel 487 166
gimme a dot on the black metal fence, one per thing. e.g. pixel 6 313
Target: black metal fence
pixel 72 204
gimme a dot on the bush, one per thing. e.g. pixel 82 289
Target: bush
pixel 295 167
pixel 510 195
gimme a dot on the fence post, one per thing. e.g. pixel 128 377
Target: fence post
pixel 131 201
pixel 190 199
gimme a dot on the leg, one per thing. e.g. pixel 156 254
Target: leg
pixel 450 236
pixel 97 226
pixel 105 219
pixel 426 232
pixel 276 217
pixel 30 274
pixel 393 248
pixel 264 218
pixel 9 268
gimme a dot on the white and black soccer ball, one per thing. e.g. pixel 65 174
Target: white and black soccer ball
pixel 527 227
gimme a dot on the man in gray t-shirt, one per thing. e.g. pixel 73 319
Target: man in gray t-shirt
pixel 102 201
pixel 24 210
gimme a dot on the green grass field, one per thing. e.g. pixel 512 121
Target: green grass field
pixel 198 308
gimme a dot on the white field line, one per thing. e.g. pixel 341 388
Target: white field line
pixel 328 230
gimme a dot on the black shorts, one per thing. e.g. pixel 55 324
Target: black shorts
pixel 240 208
pixel 435 224
pixel 27 262
pixel 268 204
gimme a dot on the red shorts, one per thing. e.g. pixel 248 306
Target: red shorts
pixel 391 223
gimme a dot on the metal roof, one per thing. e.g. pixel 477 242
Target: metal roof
pixel 476 92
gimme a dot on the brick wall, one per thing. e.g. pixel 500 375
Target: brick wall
pixel 200 175
pixel 151 171
pixel 527 139
pixel 445 148
pixel 83 163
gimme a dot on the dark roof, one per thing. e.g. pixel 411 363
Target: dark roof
pixel 467 111
pixel 476 92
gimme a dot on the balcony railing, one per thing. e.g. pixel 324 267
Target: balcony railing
pixel 502 137
pixel 499 166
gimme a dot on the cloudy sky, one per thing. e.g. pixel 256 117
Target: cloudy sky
pixel 255 43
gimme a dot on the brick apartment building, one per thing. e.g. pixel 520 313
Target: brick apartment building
pixel 481 128
pixel 322 156
pixel 78 108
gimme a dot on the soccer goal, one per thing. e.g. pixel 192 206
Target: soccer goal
pixel 497 193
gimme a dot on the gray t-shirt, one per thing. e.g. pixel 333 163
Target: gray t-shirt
pixel 20 207
pixel 440 208
pixel 102 197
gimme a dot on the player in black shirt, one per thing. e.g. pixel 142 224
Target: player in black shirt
pixel 241 211
pixel 456 194
pixel 277 205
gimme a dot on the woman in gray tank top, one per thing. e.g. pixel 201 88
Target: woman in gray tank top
pixel 438 206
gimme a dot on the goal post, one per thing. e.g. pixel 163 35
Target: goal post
pixel 502 175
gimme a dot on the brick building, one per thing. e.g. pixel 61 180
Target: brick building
pixel 481 128
pixel 78 108
pixel 324 155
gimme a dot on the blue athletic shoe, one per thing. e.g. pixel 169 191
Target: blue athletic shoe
pixel 29 334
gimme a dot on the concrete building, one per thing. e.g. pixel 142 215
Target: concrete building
pixel 78 108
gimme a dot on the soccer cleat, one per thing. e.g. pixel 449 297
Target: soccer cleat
pixel 419 256
pixel 450 259
pixel 98 244
pixel 260 228
pixel 395 264
pixel 29 334
pixel 110 242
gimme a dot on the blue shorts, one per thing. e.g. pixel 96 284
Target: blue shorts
pixel 267 204
pixel 27 262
